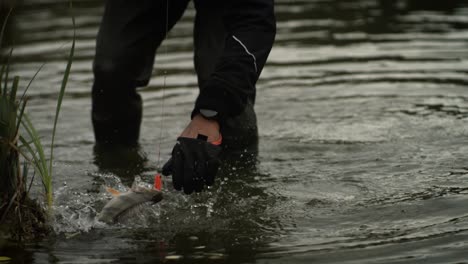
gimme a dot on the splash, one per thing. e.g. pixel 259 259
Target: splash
pixel 76 210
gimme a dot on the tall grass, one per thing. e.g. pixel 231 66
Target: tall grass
pixel 10 181
pixel 10 174
pixel 13 145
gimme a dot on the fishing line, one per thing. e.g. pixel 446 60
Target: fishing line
pixel 158 164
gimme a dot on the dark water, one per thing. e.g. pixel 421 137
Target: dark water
pixel 363 115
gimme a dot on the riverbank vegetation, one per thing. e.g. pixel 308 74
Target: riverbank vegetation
pixel 23 155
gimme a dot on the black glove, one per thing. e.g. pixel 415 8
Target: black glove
pixel 193 164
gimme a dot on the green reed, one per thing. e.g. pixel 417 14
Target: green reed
pixel 14 121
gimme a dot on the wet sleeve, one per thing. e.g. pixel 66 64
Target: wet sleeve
pixel 251 28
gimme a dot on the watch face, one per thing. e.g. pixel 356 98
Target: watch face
pixel 208 113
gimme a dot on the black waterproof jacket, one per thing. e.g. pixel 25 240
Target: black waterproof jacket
pixel 251 29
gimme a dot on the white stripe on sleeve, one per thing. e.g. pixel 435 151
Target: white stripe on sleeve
pixel 248 52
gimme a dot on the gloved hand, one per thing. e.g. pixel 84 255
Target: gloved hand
pixel 194 163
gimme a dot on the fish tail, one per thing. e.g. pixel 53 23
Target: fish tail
pixel 112 191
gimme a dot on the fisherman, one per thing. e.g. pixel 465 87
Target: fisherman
pixel 232 40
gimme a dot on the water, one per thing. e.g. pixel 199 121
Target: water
pixel 363 115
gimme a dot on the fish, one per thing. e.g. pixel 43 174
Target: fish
pixel 121 202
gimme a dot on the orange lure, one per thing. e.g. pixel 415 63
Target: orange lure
pixel 157 182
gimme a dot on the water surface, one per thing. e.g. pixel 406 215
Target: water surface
pixel 363 116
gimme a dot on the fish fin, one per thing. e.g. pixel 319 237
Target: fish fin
pixel 113 191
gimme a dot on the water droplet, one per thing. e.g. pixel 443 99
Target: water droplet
pixel 193 238
pixel 196 257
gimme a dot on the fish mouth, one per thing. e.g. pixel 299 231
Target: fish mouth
pixel 157 197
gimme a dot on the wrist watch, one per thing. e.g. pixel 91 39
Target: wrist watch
pixel 209 114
